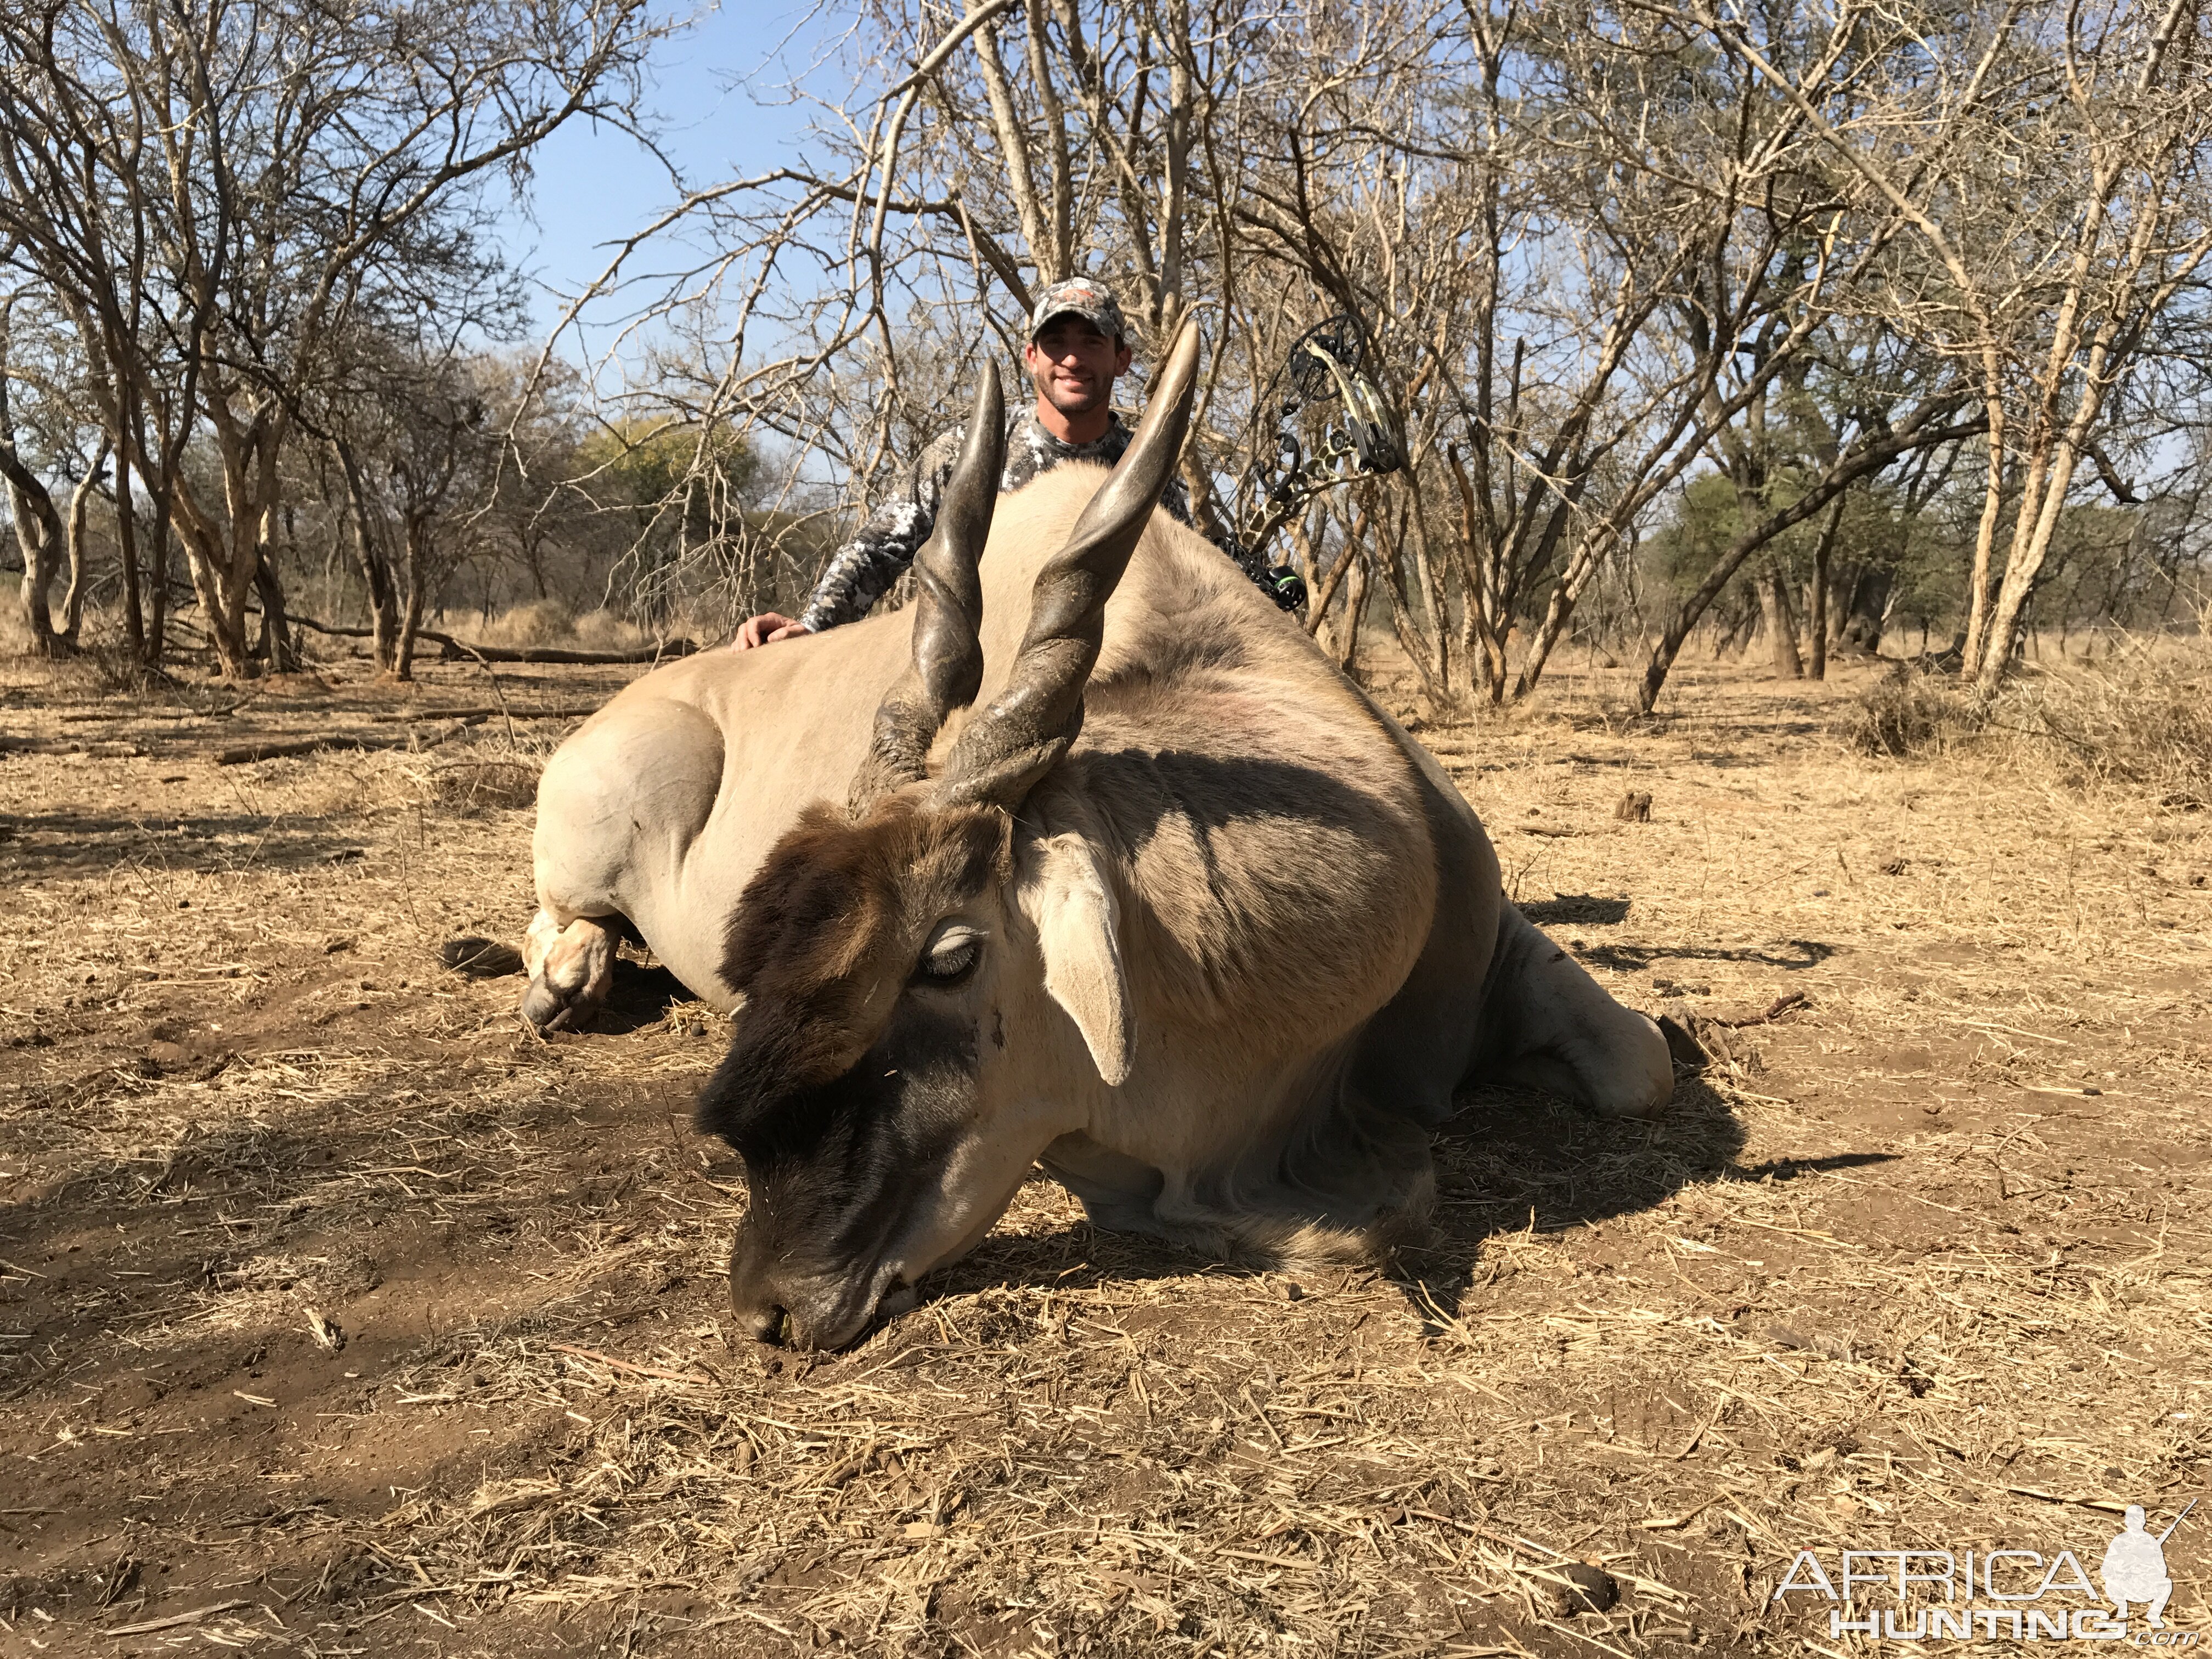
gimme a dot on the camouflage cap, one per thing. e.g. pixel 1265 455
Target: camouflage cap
pixel 1082 297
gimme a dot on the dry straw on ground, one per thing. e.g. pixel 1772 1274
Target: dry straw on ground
pixel 342 1317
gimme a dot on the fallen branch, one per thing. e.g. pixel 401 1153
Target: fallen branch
pixel 1781 1006
pixel 177 1619
pixel 598 1359
pixel 456 649
pixel 2105 1503
pixel 1671 1523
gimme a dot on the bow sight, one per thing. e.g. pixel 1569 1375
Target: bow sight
pixel 1324 388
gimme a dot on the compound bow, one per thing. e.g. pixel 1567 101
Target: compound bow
pixel 1324 374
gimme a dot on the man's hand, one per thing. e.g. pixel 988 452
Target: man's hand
pixel 765 629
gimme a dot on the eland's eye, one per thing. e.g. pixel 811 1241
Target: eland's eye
pixel 950 956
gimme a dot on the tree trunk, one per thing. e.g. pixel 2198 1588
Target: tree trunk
pixel 1343 650
pixel 1845 580
pixel 1482 631
pixel 38 533
pixel 1486 647
pixel 383 623
pixel 1391 555
pixel 227 548
pixel 38 527
pixel 223 612
pixel 384 627
pixel 410 618
pixel 80 507
pixel 37 530
pixel 1866 609
pixel 161 496
pixel 1431 584
pixel 234 655
pixel 1816 620
pixel 1482 639
pixel 1816 625
pixel 1779 615
pixel 1985 528
pixel 1582 567
pixel 411 625
pixel 277 645
pixel 156 572
pixel 126 543
pixel 1348 564
pixel 2030 546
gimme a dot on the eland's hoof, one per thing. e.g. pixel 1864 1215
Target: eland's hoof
pixel 544 1008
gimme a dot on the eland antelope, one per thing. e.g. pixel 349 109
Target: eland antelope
pixel 1093 861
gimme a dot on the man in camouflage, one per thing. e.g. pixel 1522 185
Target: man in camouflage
pixel 1079 346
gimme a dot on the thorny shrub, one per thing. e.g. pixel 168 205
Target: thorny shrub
pixel 2140 719
pixel 1906 714
pixel 549 621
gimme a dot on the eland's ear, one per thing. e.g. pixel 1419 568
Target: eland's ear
pixel 1069 900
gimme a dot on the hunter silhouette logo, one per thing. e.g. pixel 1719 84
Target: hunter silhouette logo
pixel 1987 1594
pixel 2135 1567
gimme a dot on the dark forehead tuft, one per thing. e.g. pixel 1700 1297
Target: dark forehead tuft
pixel 833 895
pixel 834 907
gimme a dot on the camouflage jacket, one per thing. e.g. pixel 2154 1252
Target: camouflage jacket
pixel 863 570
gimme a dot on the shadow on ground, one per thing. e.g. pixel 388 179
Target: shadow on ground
pixel 45 845
pixel 1635 958
pixel 641 997
pixel 1512 1160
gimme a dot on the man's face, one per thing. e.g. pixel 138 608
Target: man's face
pixel 1074 365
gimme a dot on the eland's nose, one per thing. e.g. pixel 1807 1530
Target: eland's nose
pixel 760 1315
pixel 773 1302
pixel 766 1305
pixel 768 1324
pixel 783 1319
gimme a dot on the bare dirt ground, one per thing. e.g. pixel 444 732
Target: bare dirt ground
pixel 340 1316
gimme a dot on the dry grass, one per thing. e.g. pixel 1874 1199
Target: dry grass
pixel 1906 714
pixel 2140 719
pixel 549 621
pixel 497 783
pixel 538 622
pixel 1890 1274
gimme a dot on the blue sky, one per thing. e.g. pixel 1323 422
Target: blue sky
pixel 595 183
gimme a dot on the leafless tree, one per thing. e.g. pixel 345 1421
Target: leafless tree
pixel 214 194
pixel 1585 244
pixel 1599 249
pixel 39 532
pixel 2051 162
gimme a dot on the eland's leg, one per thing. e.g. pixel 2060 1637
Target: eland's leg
pixel 618 805
pixel 571 969
pixel 1548 1026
